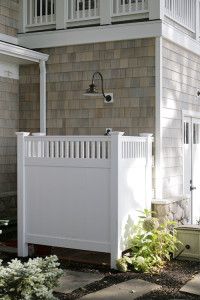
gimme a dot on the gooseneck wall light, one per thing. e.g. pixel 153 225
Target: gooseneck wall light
pixel 92 90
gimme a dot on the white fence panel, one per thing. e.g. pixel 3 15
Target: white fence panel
pixel 81 192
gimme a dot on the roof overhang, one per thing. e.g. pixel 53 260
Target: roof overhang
pixel 20 55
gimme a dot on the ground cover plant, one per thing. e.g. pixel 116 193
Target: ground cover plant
pixel 151 246
pixel 34 279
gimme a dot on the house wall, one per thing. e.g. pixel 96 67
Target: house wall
pixel 9 10
pixel 181 80
pixel 9 124
pixel 128 68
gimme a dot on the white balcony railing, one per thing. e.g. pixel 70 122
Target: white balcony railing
pixel 61 14
pixel 183 12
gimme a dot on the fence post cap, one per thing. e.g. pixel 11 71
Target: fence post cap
pixel 116 133
pixel 22 133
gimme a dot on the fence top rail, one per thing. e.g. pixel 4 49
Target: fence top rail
pixel 84 138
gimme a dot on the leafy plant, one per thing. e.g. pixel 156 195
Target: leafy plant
pixel 32 280
pixel 151 245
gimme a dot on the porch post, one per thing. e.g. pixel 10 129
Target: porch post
pixel 21 199
pixel 61 13
pixel 42 96
pixel 22 16
pixel 156 9
pixel 197 19
pixel 105 12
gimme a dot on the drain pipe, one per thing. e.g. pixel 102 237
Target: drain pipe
pixel 42 96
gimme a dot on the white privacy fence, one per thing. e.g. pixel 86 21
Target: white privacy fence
pixel 82 192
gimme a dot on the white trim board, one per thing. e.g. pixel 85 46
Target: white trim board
pixel 87 35
pixel 8 39
pixel 180 38
pixel 20 53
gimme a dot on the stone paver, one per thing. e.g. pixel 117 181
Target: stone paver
pixel 72 280
pixel 192 286
pixel 129 290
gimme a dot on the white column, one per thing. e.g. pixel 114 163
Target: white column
pixel 156 9
pixel 158 133
pixel 42 96
pixel 21 199
pixel 148 172
pixel 116 155
pixel 22 16
pixel 61 14
pixel 105 12
pixel 197 19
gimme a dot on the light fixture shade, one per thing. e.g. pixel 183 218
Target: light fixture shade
pixel 92 89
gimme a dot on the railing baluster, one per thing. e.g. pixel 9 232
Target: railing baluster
pixel 89 9
pixel 103 150
pixel 40 11
pixel 52 13
pixel 36 17
pixel 93 149
pixel 87 149
pixel 98 150
pixel 71 149
pixel 46 11
pixel 82 150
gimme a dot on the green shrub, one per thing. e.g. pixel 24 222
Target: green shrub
pixel 151 245
pixel 34 279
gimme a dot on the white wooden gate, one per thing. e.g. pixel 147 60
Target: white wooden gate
pixel 82 192
pixel 192 165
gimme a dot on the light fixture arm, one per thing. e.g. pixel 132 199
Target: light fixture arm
pixel 102 86
pixel 107 97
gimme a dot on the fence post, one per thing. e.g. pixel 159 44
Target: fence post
pixel 61 14
pixel 116 154
pixel 156 9
pixel 21 211
pixel 148 172
pixel 105 12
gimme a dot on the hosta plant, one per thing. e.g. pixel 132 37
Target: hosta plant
pixel 151 246
pixel 34 279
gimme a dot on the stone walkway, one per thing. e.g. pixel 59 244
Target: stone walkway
pixel 128 290
pixel 192 286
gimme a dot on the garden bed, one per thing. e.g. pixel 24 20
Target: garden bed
pixel 171 278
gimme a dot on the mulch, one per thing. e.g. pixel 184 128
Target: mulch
pixel 171 278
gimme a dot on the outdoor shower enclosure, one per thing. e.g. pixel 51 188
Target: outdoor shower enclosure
pixel 82 192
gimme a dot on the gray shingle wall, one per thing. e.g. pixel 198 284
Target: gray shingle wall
pixel 9 14
pixel 9 124
pixel 181 79
pixel 128 68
